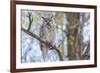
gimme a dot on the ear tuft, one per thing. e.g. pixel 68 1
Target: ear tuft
pixel 51 16
pixel 43 17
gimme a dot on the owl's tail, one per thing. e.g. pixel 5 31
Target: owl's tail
pixel 44 53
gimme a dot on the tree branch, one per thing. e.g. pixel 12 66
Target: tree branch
pixel 30 20
pixel 42 41
pixel 59 53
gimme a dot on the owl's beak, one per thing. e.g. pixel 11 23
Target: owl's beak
pixel 48 24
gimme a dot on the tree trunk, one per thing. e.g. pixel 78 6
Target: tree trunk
pixel 74 36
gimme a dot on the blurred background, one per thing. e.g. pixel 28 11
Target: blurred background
pixel 72 34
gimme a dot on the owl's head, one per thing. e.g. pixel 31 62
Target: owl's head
pixel 48 20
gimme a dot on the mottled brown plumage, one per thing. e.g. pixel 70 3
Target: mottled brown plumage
pixel 47 34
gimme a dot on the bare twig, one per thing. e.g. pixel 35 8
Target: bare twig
pixel 30 20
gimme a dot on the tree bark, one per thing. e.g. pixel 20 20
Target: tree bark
pixel 74 36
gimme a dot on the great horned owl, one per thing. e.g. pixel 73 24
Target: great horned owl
pixel 47 34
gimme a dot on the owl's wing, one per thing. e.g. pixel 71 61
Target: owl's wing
pixel 41 32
